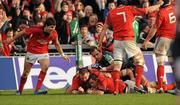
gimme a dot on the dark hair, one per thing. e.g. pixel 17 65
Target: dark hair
pixel 93 77
pixel 64 3
pixel 9 29
pixel 82 71
pixel 50 21
pixel 123 2
pixel 92 49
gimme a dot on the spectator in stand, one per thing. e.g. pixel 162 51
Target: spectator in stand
pixel 4 24
pixel 15 11
pixel 26 15
pixel 87 37
pixel 107 41
pixel 88 10
pixel 43 15
pixel 49 6
pixel 60 18
pixel 58 5
pixel 71 5
pixel 79 10
pixel 93 19
pixel 71 29
pixel 8 35
pixel 111 6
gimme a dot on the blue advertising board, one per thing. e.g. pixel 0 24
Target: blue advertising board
pixel 60 72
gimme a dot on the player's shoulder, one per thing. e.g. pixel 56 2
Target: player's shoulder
pixel 166 8
pixel 107 55
pixel 54 34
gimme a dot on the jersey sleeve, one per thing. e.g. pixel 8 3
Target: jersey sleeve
pixel 138 11
pixel 54 36
pixel 75 83
pixel 102 82
pixel 109 58
pixel 32 30
pixel 159 20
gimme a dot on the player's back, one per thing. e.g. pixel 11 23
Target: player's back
pixel 106 83
pixel 167 17
pixel 121 20
pixel 38 42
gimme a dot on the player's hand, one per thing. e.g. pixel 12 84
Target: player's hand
pixel 146 44
pixel 161 2
pixel 89 91
pixel 81 90
pixel 103 69
pixel 65 57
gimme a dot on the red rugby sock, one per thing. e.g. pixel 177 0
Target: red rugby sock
pixel 116 76
pixel 22 83
pixel 40 80
pixel 160 75
pixel 139 72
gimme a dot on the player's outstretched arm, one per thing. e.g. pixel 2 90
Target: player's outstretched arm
pixel 95 91
pixel 149 37
pixel 60 50
pixel 102 34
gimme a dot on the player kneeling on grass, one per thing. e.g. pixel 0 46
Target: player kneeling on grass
pixel 37 50
pixel 79 82
pixel 101 84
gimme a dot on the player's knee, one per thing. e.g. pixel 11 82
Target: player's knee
pixel 44 68
pixel 160 60
pixel 139 59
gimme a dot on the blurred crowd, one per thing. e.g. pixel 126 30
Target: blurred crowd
pixel 73 17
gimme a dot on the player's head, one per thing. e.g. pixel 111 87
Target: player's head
pixel 122 2
pixel 93 80
pixel 96 53
pixel 49 26
pixel 84 74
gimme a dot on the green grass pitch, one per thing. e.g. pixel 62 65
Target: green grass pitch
pixel 58 97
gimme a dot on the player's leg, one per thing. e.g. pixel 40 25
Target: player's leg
pixel 27 68
pixel 133 51
pixel 161 48
pixel 28 63
pixel 139 62
pixel 118 54
pixel 145 81
pixel 44 67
